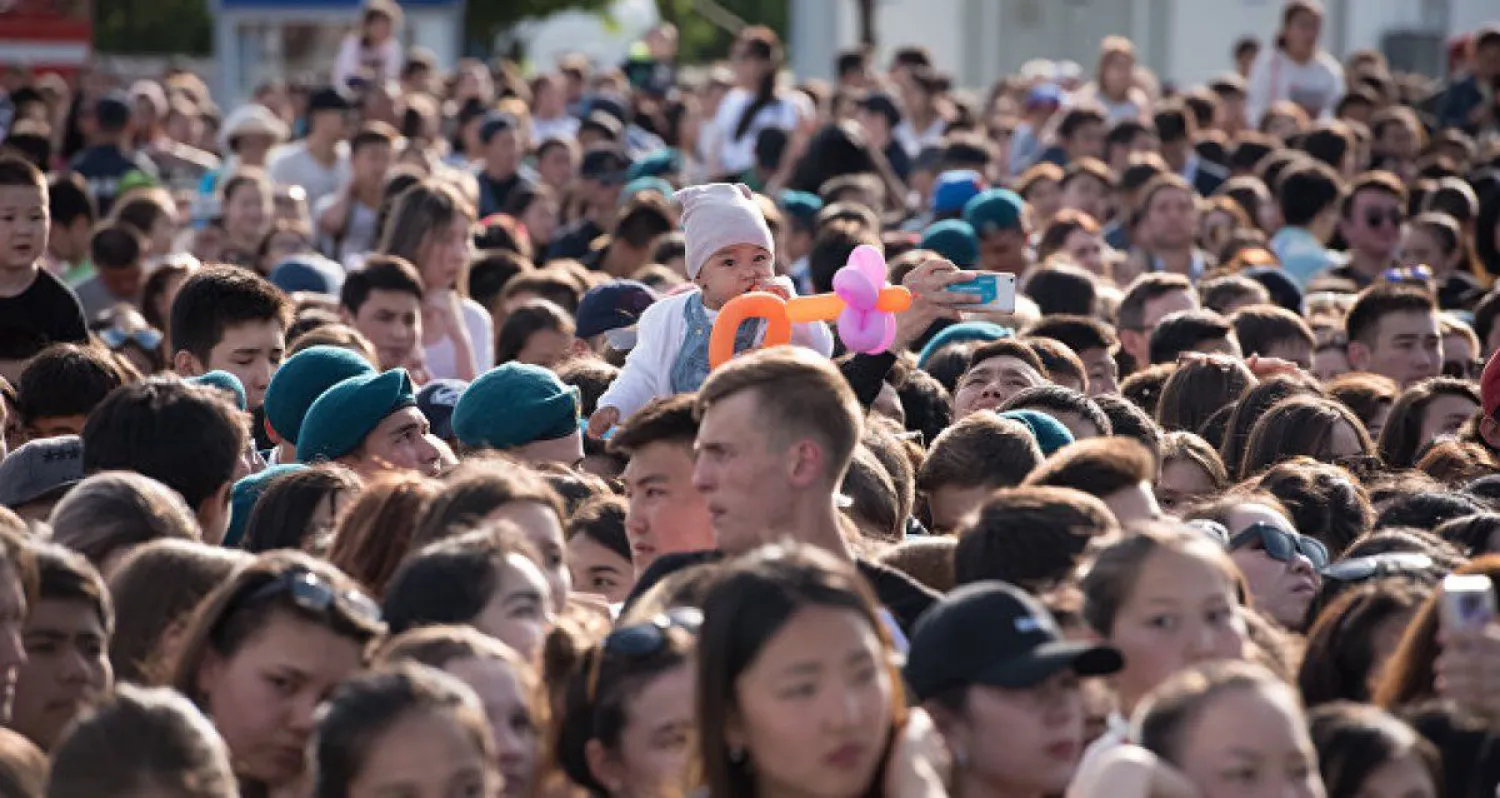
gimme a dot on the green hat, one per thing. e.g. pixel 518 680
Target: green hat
pixel 641 185
pixel 513 405
pixel 955 240
pixel 985 331
pixel 338 422
pixel 226 382
pixel 657 164
pixel 302 379
pixel 800 205
pixel 1050 433
pixel 994 211
pixel 244 495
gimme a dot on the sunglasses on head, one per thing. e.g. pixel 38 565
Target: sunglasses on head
pixel 1375 217
pixel 114 338
pixel 1420 273
pixel 313 593
pixel 642 640
pixel 1279 544
pixel 1391 563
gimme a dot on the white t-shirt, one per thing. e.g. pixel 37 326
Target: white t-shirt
pixel 1316 85
pixel 738 154
pixel 913 141
pixel 442 362
pixel 382 63
pixel 294 165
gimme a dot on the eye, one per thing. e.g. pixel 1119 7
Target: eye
pixel 1166 623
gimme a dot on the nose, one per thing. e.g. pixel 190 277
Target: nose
pixel 1202 645
pixel 301 718
pixel 509 747
pixel 703 476
pixel 635 521
pixel 1302 566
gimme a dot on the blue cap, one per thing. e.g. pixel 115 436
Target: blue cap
pixel 513 405
pixel 338 422
pixel 227 383
pixel 800 205
pixel 611 306
pixel 659 163
pixel 955 240
pixel 244 495
pixel 1044 94
pixel 994 211
pixel 1050 433
pixel 436 400
pixel 641 185
pixel 963 331
pixel 954 189
pixel 302 379
pixel 311 273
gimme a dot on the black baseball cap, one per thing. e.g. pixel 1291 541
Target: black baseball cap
pixel 879 102
pixel 604 164
pixel 496 122
pixel 995 634
pixel 327 98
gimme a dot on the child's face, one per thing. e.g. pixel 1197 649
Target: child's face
pixel 24 221
pixel 733 271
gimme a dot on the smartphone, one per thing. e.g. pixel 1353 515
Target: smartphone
pixel 996 291
pixel 1468 602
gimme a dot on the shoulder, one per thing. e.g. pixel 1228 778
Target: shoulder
pixel 475 312
pixel 906 598
pixel 666 307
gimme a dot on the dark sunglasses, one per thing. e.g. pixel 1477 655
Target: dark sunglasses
pixel 1391 563
pixel 311 592
pixel 1374 217
pixel 1280 545
pixel 114 338
pixel 1470 370
pixel 642 640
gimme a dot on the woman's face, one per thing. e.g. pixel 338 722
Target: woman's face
pixel 446 253
pixel 1181 482
pixel 747 68
pixel 425 754
pixel 543 530
pixel 1445 414
pixel 657 741
pixel 1045 198
pixel 545 348
pixel 1406 776
pixel 598 569
pixel 520 611
pixel 1183 611
pixel 1086 249
pixel 263 698
pixel 1250 743
pixel 1028 740
pixel 1117 73
pixel 540 217
pixel 1282 590
pixel 813 712
pixel 378 28
pixel 1419 247
pixel 508 709
pixel 1302 32
pixel 247 212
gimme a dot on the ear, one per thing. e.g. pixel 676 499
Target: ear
pixel 806 463
pixel 186 365
pixel 210 671
pixel 1360 356
pixel 345 316
pixel 604 766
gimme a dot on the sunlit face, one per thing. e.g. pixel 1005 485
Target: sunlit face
pixel 739 470
pixel 1444 415
pixel 1182 482
pixel 1183 611
pixel 543 530
pixel 371 164
pixel 1103 372
pixel 263 698
pixel 598 569
pixel 1003 251
pixel 67 668
pixel 1172 218
pixel 1132 504
pixel 667 514
pixel 403 441
pixel 1250 743
pixel 247 212
pixel 1419 247
pixel 814 709
pixel 392 320
pixel 1020 741
pixel 425 754
pixel 656 744
pixel 1408 348
pixel 1045 198
pixel 732 271
pixel 520 611
pixel 24 225
pixel 989 383
pixel 1373 226
pixel 251 351
pixel 446 253
pixel 1281 589
pixel 509 711
pixel 540 218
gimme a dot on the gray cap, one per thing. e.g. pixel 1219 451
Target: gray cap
pixel 40 469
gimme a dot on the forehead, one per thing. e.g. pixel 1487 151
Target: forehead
pixel 266 334
pixel 656 457
pixel 23 196
pixel 1408 322
pixel 401 418
pixel 1374 197
pixel 740 251
pixel 387 298
pixel 1002 365
pixel 65 614
pixel 730 418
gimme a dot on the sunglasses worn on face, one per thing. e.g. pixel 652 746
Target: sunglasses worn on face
pixel 1280 545
pixel 1374 217
pixel 1470 370
pixel 642 640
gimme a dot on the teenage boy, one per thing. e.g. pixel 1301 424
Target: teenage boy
pixel 1308 196
pixel 1093 341
pixel 346 219
pixel 1117 471
pixel 524 411
pixel 119 271
pixel 371 424
pixel 970 460
pixel 383 301
pixel 666 514
pixel 1370 221
pixel 319 163
pixel 61 386
pixel 229 319
pixel 34 304
pixel 73 215
pixel 501 183
pixel 1394 331
pixel 187 437
pixel 1271 331
pixel 67 638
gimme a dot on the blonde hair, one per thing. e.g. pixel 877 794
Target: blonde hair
pixel 422 211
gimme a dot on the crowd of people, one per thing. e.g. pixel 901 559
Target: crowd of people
pixel 363 440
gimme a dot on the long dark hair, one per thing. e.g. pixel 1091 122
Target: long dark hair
pixel 280 517
pixel 1355 740
pixel 763 44
pixel 1400 441
pixel 750 603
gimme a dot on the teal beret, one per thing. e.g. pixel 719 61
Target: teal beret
pixel 641 185
pixel 226 382
pixel 1050 434
pixel 513 405
pixel 953 239
pixel 244 495
pixel 963 331
pixel 657 164
pixel 338 422
pixel 994 211
pixel 800 205
pixel 302 379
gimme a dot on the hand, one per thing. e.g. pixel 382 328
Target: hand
pixel 919 764
pixel 780 286
pixel 438 317
pixel 1266 367
pixel 603 419
pixel 931 300
pixel 1468 669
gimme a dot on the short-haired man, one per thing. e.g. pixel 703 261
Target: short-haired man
pixel 1081 133
pixel 1177 129
pixel 346 218
pixel 667 514
pixel 371 424
pixel 61 386
pixel 1117 471
pixel 1394 331
pixel 500 179
pixel 1309 197
pixel 299 382
pixel 1031 536
pixel 1192 331
pixel 524 411
pixel 67 638
pixel 997 371
pixel 118 253
pixel 1093 341
pixel 187 437
pixel 229 319
pixel 970 460
pixel 384 302
pixel 319 163
pixel 1149 299
pixel 1370 220
pixel 1271 331
pixel 998 217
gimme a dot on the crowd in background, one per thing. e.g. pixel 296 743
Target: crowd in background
pixel 362 439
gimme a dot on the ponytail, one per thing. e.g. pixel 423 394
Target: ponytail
pixel 762 43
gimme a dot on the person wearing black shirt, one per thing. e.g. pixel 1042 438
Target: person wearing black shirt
pixel 601 173
pixel 35 307
pixel 106 164
pixel 500 180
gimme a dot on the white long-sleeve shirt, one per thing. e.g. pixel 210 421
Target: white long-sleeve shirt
pixel 1316 85
pixel 442 356
pixel 353 59
pixel 648 370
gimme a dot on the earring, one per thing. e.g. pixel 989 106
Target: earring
pixel 736 755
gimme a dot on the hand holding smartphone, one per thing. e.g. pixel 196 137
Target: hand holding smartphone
pixel 996 291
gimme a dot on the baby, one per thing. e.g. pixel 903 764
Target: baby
pixel 729 253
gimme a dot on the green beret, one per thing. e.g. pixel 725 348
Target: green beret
pixel 338 422
pixel 302 379
pixel 226 382
pixel 955 240
pixel 994 211
pixel 513 405
pixel 1050 433
pixel 641 185
pixel 800 205
pixel 657 164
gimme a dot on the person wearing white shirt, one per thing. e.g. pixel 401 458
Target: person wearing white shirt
pixel 319 163
pixel 1296 69
pixel 753 105
pixel 371 54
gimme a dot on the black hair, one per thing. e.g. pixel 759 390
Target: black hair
pixel 281 515
pixel 1128 420
pixel 116 246
pixel 1185 331
pixel 1079 332
pixel 380 273
pixel 761 43
pixel 537 315
pixel 602 520
pixel 1426 511
pixel 1057 398
pixel 449 581
pixel 68 199
pixel 928 405
pixel 1307 191
pixel 65 380
pixel 216 298
pixel 1062 290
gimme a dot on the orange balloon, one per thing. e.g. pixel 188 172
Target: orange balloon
pixel 818 307
pixel 747 307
